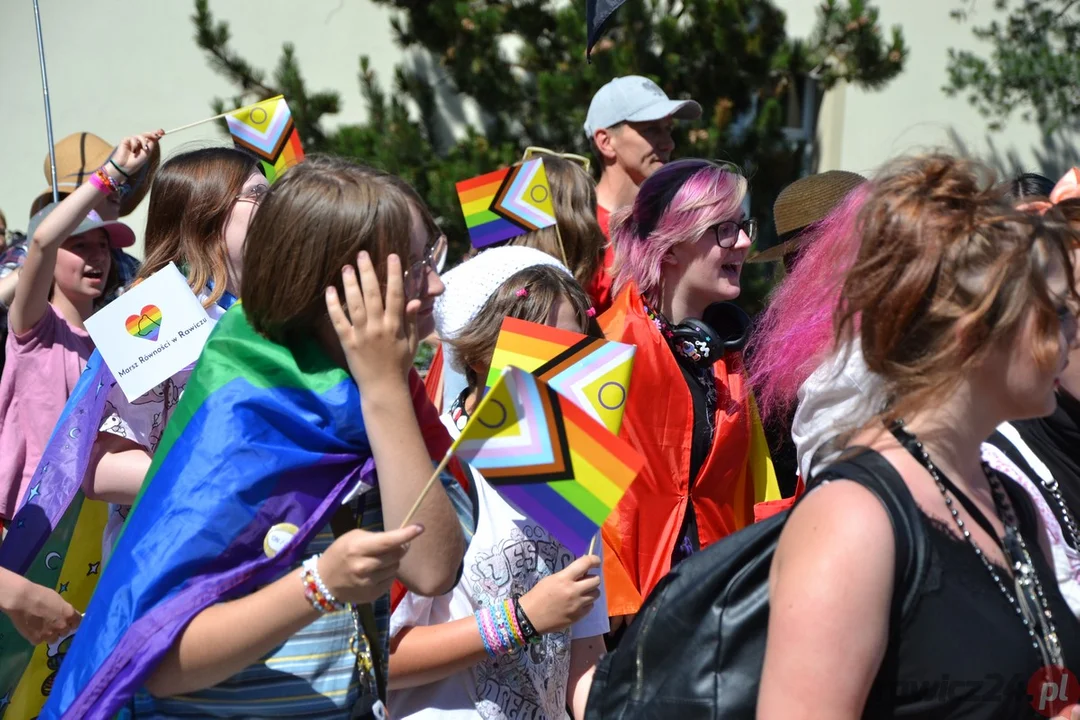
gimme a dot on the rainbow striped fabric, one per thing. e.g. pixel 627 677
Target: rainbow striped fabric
pixel 504 204
pixel 262 447
pixel 267 130
pixel 592 372
pixel 549 458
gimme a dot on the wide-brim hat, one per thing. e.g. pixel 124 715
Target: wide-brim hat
pixel 77 157
pixel 120 235
pixel 804 202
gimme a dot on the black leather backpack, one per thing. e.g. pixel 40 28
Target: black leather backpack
pixel 695 649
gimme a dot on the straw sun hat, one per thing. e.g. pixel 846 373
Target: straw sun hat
pixel 803 203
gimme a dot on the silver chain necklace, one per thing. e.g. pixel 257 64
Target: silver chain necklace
pixel 1052 487
pixel 1029 597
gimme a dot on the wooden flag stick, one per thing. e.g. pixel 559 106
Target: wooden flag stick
pixel 200 122
pixel 427 488
pixel 592 544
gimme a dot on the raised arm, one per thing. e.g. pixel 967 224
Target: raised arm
pixel 379 344
pixel 833 571
pixel 36 279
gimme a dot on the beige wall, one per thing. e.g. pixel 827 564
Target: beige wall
pixel 860 129
pixel 119 67
pixel 116 68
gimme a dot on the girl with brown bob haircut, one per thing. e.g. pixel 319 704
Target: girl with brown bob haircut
pixel 964 307
pixel 442 662
pixel 338 274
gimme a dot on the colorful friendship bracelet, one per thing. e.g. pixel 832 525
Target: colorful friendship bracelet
pixel 106 184
pixel 511 621
pixel 483 633
pixel 498 629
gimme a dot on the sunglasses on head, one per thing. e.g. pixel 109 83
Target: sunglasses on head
pixel 580 160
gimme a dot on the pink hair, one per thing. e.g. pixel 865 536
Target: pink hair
pixel 677 203
pixel 795 333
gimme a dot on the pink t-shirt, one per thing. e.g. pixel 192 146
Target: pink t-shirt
pixel 42 366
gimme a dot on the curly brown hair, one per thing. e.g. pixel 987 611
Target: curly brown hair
pixel 946 272
pixel 545 286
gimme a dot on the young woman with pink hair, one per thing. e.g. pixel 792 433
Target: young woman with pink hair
pixel 679 250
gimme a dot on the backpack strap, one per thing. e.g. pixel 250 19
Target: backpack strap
pixel 876 474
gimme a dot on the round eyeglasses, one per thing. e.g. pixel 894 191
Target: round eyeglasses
pixel 727 232
pixel 253 194
pixel 434 260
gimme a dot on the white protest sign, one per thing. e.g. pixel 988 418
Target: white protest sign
pixel 151 332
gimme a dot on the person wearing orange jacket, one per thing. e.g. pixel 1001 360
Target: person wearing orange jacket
pixel 679 251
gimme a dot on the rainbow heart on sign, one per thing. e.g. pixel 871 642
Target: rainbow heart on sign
pixel 147 325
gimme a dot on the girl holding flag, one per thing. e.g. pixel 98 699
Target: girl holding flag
pixel 298 424
pixel 448 660
pixel 200 207
pixel 67 274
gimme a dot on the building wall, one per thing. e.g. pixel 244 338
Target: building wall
pixel 861 129
pixel 116 68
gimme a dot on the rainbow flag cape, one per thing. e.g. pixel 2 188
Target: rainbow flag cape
pixel 262 447
pixel 592 372
pixel 504 204
pixel 549 458
pixel 266 129
pixel 55 541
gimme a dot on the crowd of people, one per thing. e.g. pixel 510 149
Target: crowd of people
pixel 923 332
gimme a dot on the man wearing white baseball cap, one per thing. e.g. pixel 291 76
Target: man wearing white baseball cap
pixel 629 125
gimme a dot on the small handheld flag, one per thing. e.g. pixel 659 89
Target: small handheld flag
pixel 549 458
pixel 592 372
pixel 507 203
pixel 266 129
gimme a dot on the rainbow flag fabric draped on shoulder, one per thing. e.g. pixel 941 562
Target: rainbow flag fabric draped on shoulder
pixel 264 438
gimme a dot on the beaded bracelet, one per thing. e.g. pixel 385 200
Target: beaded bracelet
pixel 106 184
pixel 315 591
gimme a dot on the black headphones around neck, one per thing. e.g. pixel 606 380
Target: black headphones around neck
pixel 723 328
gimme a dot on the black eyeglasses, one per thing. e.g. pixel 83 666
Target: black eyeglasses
pixel 727 232
pixel 416 276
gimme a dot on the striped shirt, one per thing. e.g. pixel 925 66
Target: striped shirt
pixel 314 674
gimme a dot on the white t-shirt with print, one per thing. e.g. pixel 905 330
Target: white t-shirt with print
pixel 508 555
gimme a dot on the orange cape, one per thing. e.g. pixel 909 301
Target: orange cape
pixel 640 534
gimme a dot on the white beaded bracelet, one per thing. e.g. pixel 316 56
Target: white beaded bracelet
pixel 311 570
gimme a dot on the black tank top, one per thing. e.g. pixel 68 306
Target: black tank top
pixel 962 651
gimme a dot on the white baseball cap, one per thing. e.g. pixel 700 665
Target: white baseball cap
pixel 635 99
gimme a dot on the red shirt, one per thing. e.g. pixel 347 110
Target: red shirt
pixel 600 287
